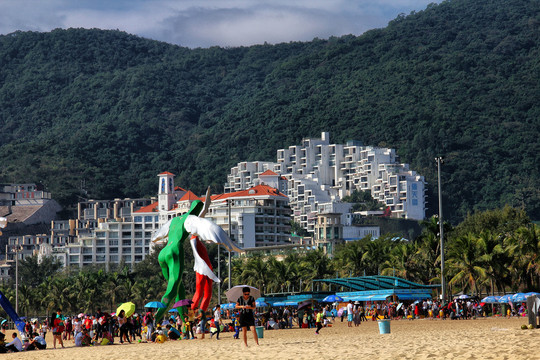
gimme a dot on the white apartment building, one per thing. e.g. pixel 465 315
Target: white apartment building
pixel 258 216
pixel 319 172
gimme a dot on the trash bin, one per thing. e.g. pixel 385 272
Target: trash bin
pixel 384 326
pixel 260 331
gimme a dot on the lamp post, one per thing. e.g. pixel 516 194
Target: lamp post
pixel 440 161
pixel 230 232
pixel 17 277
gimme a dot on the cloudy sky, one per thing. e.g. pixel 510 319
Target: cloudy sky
pixel 204 23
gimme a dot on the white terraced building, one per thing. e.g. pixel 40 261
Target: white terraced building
pixel 319 172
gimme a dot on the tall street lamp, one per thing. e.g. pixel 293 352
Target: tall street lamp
pixel 440 161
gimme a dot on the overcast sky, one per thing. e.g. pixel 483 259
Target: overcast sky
pixel 204 23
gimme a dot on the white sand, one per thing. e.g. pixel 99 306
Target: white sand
pixel 418 339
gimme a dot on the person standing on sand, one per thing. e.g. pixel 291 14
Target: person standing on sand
pixel 349 313
pixel 201 316
pixel 246 304
pixel 58 328
pixel 217 320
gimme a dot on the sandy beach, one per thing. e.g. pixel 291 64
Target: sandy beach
pixel 418 339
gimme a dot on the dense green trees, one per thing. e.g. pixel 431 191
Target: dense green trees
pixel 458 79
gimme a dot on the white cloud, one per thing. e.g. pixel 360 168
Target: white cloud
pixel 208 22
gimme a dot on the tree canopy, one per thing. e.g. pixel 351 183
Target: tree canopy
pixel 459 79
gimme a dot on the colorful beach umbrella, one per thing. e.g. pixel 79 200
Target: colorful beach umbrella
pixel 155 305
pixel 505 298
pixel 128 307
pixel 332 298
pixel 490 299
pixel 519 297
pixel 260 303
pixel 183 302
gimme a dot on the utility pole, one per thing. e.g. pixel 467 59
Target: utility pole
pixel 230 232
pixel 440 161
pixel 17 277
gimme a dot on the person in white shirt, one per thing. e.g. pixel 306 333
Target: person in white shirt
pixel 349 314
pixel 77 327
pixel 217 320
pixel 15 345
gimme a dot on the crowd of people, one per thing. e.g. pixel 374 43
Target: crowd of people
pixel 102 328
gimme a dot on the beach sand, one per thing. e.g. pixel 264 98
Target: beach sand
pixel 418 339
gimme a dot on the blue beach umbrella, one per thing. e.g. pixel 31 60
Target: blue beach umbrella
pixel 291 303
pixel 155 305
pixel 332 298
pixel 260 303
pixel 505 298
pixel 173 310
pixel 279 303
pixel 532 293
pixel 519 297
pixel 490 299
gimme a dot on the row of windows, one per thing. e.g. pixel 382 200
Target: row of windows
pixel 103 258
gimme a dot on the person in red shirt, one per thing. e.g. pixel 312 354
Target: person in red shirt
pixel 58 328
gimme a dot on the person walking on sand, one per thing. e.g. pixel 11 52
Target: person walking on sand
pixel 217 320
pixel 318 321
pixel 246 304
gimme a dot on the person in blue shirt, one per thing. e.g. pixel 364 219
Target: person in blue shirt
pixel 173 332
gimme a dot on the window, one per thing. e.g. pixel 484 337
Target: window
pixel 113 242
pixel 138 234
pixel 138 250
pixel 138 258
pixel 87 258
pixel 126 250
pixel 126 258
pixel 113 250
pixel 100 258
pixel 73 258
pixel 100 250
pixel 137 219
pixel 100 242
pixel 138 242
pixel 126 226
pixel 148 218
pixel 113 226
pixel 414 202
pixel 126 234
pixel 126 242
pixel 113 258
pixel 113 235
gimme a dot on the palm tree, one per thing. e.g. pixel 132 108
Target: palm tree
pixel 401 261
pixel 465 263
pixel 523 247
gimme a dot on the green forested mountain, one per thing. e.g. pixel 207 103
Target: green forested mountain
pixel 460 79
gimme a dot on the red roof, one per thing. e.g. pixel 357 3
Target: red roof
pixel 259 190
pixel 268 173
pixel 178 188
pixel 149 208
pixel 166 173
pixel 190 196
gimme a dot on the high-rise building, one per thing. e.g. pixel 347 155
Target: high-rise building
pixel 318 172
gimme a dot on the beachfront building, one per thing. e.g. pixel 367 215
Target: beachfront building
pixel 318 172
pixel 258 216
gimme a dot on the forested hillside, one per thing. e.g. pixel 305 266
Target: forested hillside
pixel 460 79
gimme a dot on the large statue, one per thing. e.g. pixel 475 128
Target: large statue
pixel 171 257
